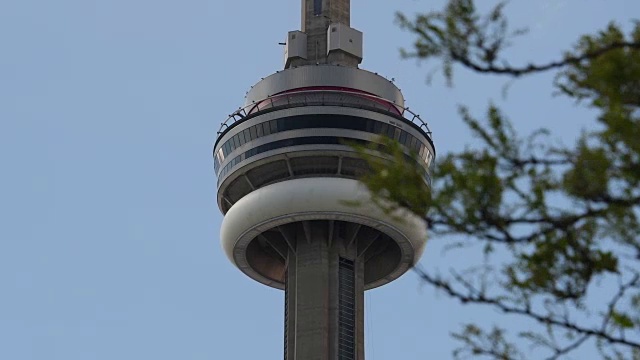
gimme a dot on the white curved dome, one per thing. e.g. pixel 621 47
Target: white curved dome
pixel 317 199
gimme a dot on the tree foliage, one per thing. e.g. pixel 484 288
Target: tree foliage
pixel 557 224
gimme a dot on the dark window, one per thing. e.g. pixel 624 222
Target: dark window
pixel 241 136
pixel 259 130
pixel 390 131
pixel 273 124
pixel 370 125
pixel 267 129
pixel 252 131
pixel 346 310
pixel 384 129
pixel 286 311
pixel 295 124
pixel 377 127
pixel 412 142
pixel 403 138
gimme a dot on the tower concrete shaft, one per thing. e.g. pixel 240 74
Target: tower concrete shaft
pixel 318 14
pixel 324 297
pixel 317 17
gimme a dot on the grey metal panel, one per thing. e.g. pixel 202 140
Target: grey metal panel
pixel 325 75
pixel 344 38
pixel 271 156
pixel 296 46
pixel 324 149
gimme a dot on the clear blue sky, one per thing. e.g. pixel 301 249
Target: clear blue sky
pixel 109 245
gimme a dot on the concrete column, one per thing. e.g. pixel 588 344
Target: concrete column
pixel 312 327
pixel 338 11
pixel 312 298
pixel 316 17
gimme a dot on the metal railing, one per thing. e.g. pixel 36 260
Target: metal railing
pixel 325 98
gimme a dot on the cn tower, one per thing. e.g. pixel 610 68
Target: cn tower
pixel 296 218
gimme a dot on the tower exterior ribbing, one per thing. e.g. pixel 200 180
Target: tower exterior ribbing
pixel 296 218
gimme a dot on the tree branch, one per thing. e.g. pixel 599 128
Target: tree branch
pixel 490 68
pixel 477 297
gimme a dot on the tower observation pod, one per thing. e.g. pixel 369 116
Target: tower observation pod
pixel 288 181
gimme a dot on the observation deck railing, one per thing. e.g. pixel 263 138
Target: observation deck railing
pixel 340 98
